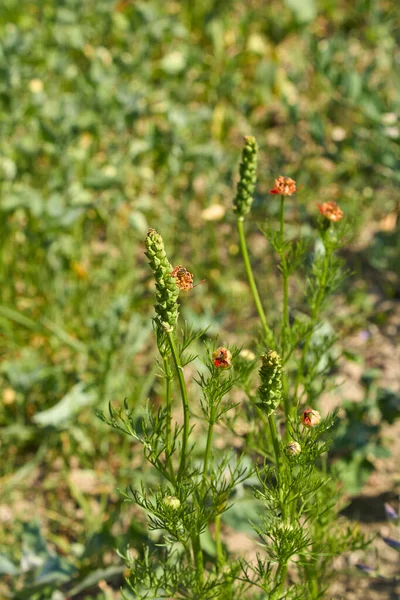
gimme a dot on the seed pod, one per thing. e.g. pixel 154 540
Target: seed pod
pixel 248 176
pixel 167 291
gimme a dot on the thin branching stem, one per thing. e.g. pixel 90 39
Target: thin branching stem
pixel 252 283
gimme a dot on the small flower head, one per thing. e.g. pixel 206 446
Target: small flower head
pixel 172 502
pixel 310 418
pixel 293 448
pixel 222 358
pixel 184 279
pixel 284 186
pixel 331 211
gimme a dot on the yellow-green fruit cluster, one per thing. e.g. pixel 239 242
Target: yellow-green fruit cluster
pixel 248 175
pixel 167 291
pixel 270 390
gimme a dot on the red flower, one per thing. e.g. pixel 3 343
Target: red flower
pixel 284 186
pixel 331 211
pixel 222 358
pixel 310 418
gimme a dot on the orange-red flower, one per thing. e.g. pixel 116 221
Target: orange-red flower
pixel 284 186
pixel 222 358
pixel 184 279
pixel 310 417
pixel 331 211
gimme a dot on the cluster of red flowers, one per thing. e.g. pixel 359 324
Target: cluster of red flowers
pixel 286 186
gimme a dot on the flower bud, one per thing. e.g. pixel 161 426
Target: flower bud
pixel 310 418
pixel 293 448
pixel 270 390
pixel 248 176
pixel 172 502
pixel 167 291
pixel 222 358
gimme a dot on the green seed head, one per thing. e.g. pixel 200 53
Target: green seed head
pixel 270 390
pixel 248 176
pixel 167 291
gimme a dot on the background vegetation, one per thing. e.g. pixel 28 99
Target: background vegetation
pixel 117 116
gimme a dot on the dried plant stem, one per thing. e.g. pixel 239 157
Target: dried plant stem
pixel 252 283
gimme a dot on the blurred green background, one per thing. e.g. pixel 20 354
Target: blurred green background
pixel 118 116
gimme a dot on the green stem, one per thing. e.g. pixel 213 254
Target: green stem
pixel 275 442
pixel 285 310
pixel 185 404
pixel 252 283
pixel 315 311
pixel 208 450
pixel 218 542
pixel 198 559
pixel 168 450
pixel 285 279
pixel 281 576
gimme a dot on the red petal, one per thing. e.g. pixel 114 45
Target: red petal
pixel 274 191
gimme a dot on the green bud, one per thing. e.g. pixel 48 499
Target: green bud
pixel 172 502
pixel 270 390
pixel 167 291
pixel 248 176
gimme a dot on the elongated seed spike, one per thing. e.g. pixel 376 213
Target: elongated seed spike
pixel 270 390
pixel 248 176
pixel 167 291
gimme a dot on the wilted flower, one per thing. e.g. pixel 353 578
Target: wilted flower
pixel 172 502
pixel 222 358
pixel 284 186
pixel 184 279
pixel 331 211
pixel 310 417
pixel 293 448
